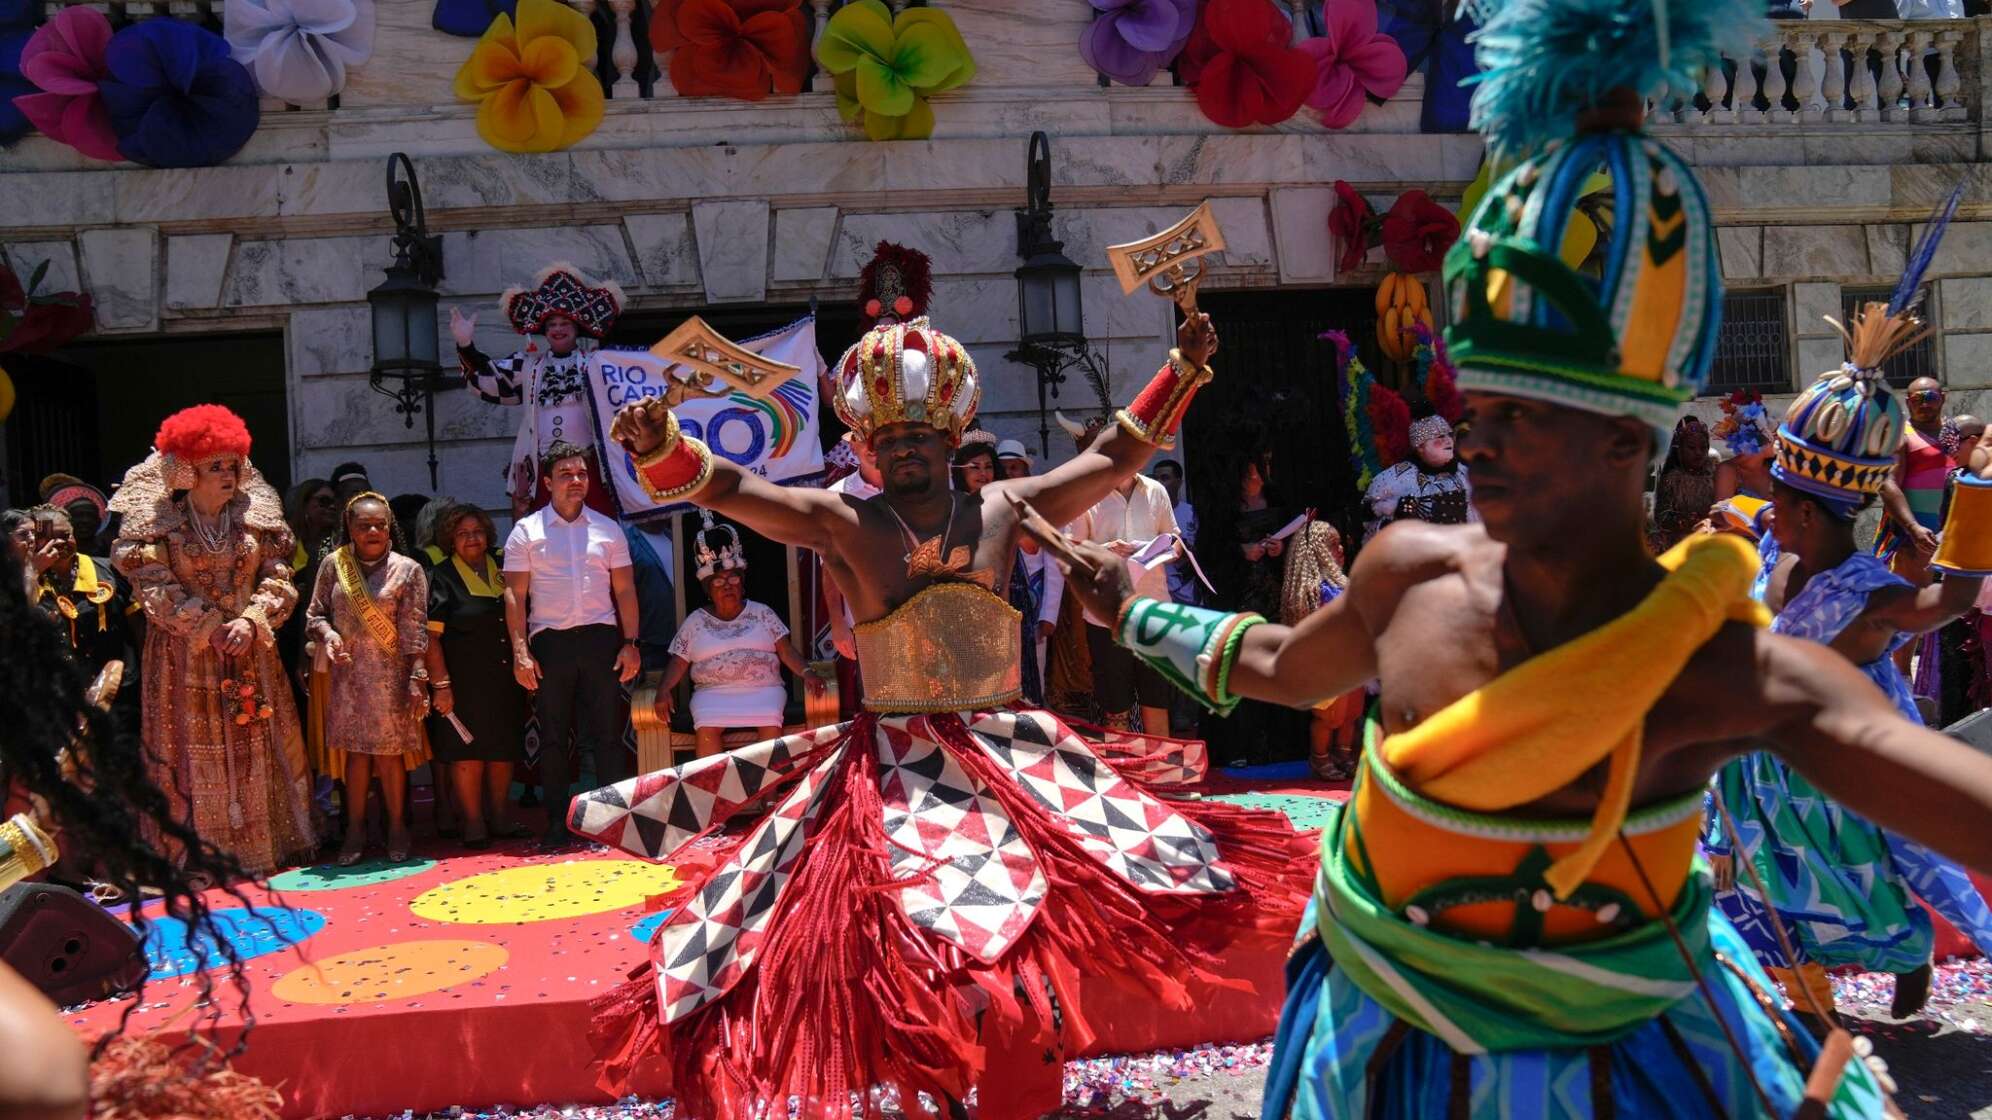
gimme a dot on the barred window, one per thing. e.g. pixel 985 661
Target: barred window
pixel 1920 359
pixel 1753 349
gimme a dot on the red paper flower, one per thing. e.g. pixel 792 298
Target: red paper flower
pixel 743 49
pixel 1353 225
pixel 1243 65
pixel 1417 232
pixel 34 322
pixel 1352 61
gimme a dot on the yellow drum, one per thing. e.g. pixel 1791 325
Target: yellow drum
pixel 1966 547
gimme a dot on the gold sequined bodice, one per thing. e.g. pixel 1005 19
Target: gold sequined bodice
pixel 952 647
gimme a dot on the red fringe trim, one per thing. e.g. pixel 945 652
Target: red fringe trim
pixel 847 993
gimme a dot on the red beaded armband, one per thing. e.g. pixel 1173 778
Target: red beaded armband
pixel 1157 411
pixel 676 468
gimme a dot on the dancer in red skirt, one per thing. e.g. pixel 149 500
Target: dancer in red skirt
pixel 904 895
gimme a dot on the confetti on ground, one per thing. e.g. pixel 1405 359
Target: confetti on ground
pixel 1960 994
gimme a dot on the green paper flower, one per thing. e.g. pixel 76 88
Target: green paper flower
pixel 885 66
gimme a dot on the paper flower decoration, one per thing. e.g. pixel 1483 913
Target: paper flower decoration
pixel 36 322
pixel 885 67
pixel 1130 41
pixel 175 97
pixel 1353 226
pixel 1351 61
pixel 1417 232
pixel 65 61
pixel 16 27
pixel 733 48
pixel 298 50
pixel 533 90
pixel 469 18
pixel 1243 66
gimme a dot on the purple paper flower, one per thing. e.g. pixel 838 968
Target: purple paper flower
pixel 175 97
pixel 1129 41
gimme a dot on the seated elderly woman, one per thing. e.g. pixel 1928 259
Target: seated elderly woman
pixel 734 650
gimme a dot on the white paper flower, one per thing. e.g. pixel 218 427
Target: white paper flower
pixel 299 49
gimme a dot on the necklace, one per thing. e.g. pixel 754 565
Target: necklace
pixel 215 540
pixel 913 541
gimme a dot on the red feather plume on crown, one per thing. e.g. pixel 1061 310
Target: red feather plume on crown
pixel 201 432
pixel 1390 419
pixel 895 284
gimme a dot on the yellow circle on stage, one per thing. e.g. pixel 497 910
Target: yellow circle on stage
pixel 406 968
pixel 539 892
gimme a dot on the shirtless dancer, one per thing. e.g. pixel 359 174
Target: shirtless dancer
pixel 926 873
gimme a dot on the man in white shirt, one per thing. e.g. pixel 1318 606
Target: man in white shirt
pixel 570 607
pixel 1125 521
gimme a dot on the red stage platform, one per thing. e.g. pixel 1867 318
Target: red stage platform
pixel 464 978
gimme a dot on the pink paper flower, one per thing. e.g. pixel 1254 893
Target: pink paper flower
pixel 1352 61
pixel 65 60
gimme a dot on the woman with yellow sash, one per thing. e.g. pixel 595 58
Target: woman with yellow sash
pixel 369 614
pixel 1509 917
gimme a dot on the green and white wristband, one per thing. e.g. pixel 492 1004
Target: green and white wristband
pixel 1193 647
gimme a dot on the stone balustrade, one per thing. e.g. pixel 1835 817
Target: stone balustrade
pixel 1809 77
pixel 1840 72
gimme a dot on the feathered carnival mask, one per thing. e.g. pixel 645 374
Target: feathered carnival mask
pixel 903 370
pixel 193 435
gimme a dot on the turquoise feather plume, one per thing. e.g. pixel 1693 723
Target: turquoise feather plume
pixel 1545 61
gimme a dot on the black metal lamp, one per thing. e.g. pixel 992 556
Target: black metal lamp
pixel 1051 317
pixel 406 366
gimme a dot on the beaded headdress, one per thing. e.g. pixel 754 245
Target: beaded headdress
pixel 1839 438
pixel 563 289
pixel 716 553
pixel 1561 94
pixel 1428 429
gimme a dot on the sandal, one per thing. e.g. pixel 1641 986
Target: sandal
pixel 398 843
pixel 354 849
pixel 513 831
pixel 476 843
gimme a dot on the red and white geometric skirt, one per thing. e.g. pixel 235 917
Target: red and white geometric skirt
pixel 898 896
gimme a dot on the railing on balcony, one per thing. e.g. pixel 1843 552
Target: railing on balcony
pixel 1920 72
pixel 1839 71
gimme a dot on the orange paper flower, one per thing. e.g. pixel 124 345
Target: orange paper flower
pixel 534 90
pixel 733 48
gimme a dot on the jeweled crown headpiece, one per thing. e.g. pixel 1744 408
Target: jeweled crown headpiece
pixel 716 553
pixel 1561 93
pixel 563 289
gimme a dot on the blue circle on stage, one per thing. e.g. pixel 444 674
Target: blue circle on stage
pixel 646 929
pixel 254 932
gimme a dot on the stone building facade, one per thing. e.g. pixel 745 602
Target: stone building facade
pixel 700 203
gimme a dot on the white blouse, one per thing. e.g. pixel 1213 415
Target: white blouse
pixel 739 653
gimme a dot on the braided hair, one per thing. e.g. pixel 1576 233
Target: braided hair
pixel 1310 564
pixel 109 807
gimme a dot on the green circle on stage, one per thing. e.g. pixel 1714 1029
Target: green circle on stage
pixel 332 877
pixel 1304 812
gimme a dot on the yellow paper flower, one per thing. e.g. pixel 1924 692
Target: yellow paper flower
pixel 534 90
pixel 884 67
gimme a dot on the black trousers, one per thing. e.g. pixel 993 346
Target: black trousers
pixel 579 695
pixel 1120 678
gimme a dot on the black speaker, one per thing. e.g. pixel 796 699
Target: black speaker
pixel 1974 730
pixel 66 945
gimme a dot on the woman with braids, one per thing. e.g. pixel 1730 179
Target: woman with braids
pixel 208 554
pixel 96 801
pixel 369 614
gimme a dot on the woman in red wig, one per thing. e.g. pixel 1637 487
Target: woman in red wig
pixel 206 548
